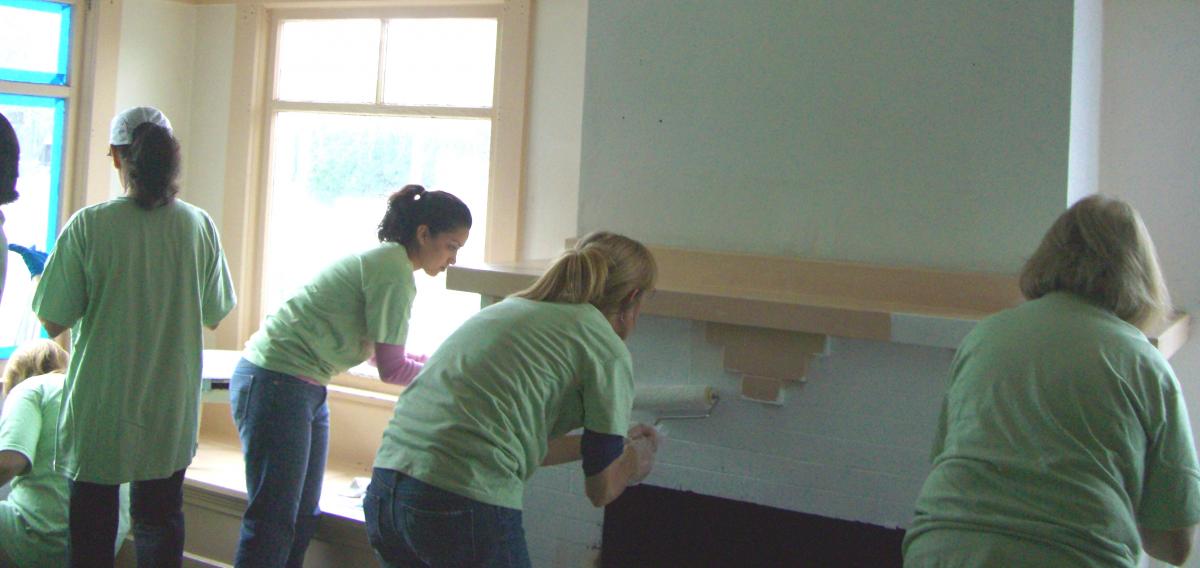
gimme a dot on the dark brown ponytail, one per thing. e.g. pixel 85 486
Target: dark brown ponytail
pixel 413 206
pixel 150 165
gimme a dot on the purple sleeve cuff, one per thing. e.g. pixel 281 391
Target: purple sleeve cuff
pixel 394 367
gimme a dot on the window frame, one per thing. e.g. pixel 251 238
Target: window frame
pixel 69 93
pixel 248 187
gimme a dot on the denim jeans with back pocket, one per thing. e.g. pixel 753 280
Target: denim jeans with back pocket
pixel 412 524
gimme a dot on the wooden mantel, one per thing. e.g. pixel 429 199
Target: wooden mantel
pixel 766 294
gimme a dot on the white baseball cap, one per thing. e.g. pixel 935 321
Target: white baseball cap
pixel 121 131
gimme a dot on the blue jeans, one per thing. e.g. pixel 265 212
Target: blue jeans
pixel 412 524
pixel 283 423
pixel 157 509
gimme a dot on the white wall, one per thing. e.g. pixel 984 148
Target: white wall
pixel 928 135
pixel 554 127
pixel 1083 168
pixel 212 76
pixel 830 129
pixel 851 442
pixel 179 57
pixel 154 64
pixel 1150 146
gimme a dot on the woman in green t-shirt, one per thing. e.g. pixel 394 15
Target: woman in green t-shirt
pixel 498 399
pixel 136 278
pixel 1064 438
pixel 355 309
pixel 33 519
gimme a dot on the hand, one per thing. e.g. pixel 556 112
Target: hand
pixel 418 358
pixel 35 260
pixel 645 431
pixel 644 450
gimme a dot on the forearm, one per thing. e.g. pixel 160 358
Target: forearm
pixel 1170 546
pixel 12 464
pixel 632 467
pixel 563 449
pixel 395 366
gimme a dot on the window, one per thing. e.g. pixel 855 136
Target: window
pixel 361 103
pixel 35 56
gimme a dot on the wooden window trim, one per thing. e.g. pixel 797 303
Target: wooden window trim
pixel 243 229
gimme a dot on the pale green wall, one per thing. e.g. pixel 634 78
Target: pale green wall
pixel 923 133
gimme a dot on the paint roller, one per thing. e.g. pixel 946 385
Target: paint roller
pixel 674 402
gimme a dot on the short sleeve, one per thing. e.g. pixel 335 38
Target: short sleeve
pixel 61 296
pixel 218 295
pixel 389 294
pixel 21 422
pixel 607 383
pixel 1171 486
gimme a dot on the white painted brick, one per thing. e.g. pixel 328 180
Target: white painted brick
pixel 556 477
pixel 852 443
pixel 541 549
pixel 569 555
pixel 841 506
pixel 782 496
pixel 895 513
pixel 562 528
pixel 567 505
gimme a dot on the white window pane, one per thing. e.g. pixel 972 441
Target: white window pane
pixel 438 62
pixel 38 122
pixel 330 61
pixel 33 41
pixel 330 178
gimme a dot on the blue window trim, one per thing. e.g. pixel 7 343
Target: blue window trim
pixel 59 77
pixel 60 115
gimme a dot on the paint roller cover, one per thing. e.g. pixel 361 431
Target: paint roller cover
pixel 674 400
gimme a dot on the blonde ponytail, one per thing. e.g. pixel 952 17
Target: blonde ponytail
pixel 603 269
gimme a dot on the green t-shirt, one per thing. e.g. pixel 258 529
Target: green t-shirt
pixel 518 373
pixel 333 323
pixel 1063 429
pixel 136 287
pixel 33 520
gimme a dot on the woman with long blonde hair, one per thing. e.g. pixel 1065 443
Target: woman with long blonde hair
pixel 1064 439
pixel 498 400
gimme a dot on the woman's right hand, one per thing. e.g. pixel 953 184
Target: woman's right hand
pixel 644 431
pixel 644 440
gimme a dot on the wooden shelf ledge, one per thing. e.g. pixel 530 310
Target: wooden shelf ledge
pixel 884 303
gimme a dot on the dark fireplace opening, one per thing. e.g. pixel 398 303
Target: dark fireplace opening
pixel 654 527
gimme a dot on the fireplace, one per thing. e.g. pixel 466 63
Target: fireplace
pixel 656 527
